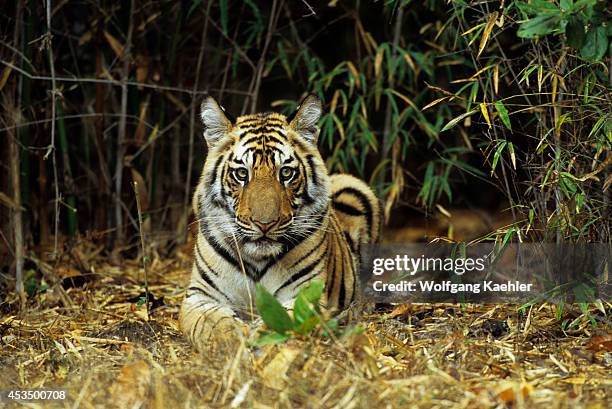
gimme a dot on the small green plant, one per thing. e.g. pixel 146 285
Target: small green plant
pixel 306 314
pixel 582 21
pixel 33 284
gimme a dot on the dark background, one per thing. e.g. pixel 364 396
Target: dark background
pixel 129 77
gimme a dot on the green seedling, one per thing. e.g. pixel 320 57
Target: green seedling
pixel 307 317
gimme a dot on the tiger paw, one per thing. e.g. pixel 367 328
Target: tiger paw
pixel 226 334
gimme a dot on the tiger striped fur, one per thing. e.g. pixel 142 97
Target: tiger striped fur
pixel 269 213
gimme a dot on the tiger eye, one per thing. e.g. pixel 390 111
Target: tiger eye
pixel 241 174
pixel 286 173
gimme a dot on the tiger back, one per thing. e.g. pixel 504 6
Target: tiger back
pixel 269 213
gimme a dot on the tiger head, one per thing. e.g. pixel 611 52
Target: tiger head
pixel 264 184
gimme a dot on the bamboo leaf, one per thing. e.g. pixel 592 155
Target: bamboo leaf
pixel 496 79
pixel 487 32
pixel 9 202
pixel 497 155
pixel 503 114
pixel 224 13
pixel 485 113
pixel 512 154
pixel 378 61
pixel 476 27
pixel 354 73
pixel 404 98
pixel 434 102
pixel 5 76
pixel 455 121
pixel 115 44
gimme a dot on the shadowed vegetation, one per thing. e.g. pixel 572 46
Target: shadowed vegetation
pixel 473 121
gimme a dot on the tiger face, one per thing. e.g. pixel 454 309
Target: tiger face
pixel 264 184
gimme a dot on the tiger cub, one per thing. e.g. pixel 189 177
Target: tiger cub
pixel 269 213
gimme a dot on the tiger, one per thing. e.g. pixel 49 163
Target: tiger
pixel 268 212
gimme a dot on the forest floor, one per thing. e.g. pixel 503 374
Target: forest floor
pixel 91 337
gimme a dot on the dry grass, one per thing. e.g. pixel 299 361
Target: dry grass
pixel 94 341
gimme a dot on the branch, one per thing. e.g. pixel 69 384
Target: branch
pixel 115 82
pixel 51 147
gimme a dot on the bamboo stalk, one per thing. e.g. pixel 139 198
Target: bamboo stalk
pixel 25 88
pixel 68 180
pixel 182 235
pixel 388 129
pixel 104 179
pixel 256 82
pixel 17 213
pixel 14 159
pixel 120 233
pixel 142 246
pixel 51 147
pixel 43 211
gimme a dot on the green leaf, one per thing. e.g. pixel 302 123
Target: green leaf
pixel 352 330
pixel 30 286
pixel 574 31
pixel 539 26
pixel 595 45
pixel 269 338
pixel 537 7
pixel 330 325
pixel 567 184
pixel 308 325
pixel 498 152
pixel 455 121
pixel 503 114
pixel 579 200
pixel 566 4
pixel 194 5
pixel 272 312
pixel 223 10
pixel 509 233
pixel 307 301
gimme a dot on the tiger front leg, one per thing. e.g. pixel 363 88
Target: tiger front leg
pixel 208 324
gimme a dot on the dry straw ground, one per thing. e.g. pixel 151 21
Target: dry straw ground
pixel 93 340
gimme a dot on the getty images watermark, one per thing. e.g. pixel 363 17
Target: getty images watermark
pixel 486 273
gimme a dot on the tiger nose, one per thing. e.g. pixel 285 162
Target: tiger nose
pixel 264 226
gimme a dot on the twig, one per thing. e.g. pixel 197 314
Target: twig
pixel 246 276
pixel 16 182
pixel 230 56
pixel 115 82
pixel 19 53
pixel 17 219
pixel 101 340
pixel 75 116
pixel 51 147
pixel 312 12
pixel 234 44
pixel 256 82
pixel 142 246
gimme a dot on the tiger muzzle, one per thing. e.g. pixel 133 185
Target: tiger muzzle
pixel 265 204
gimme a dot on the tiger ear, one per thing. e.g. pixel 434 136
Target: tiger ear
pixel 216 122
pixel 305 120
